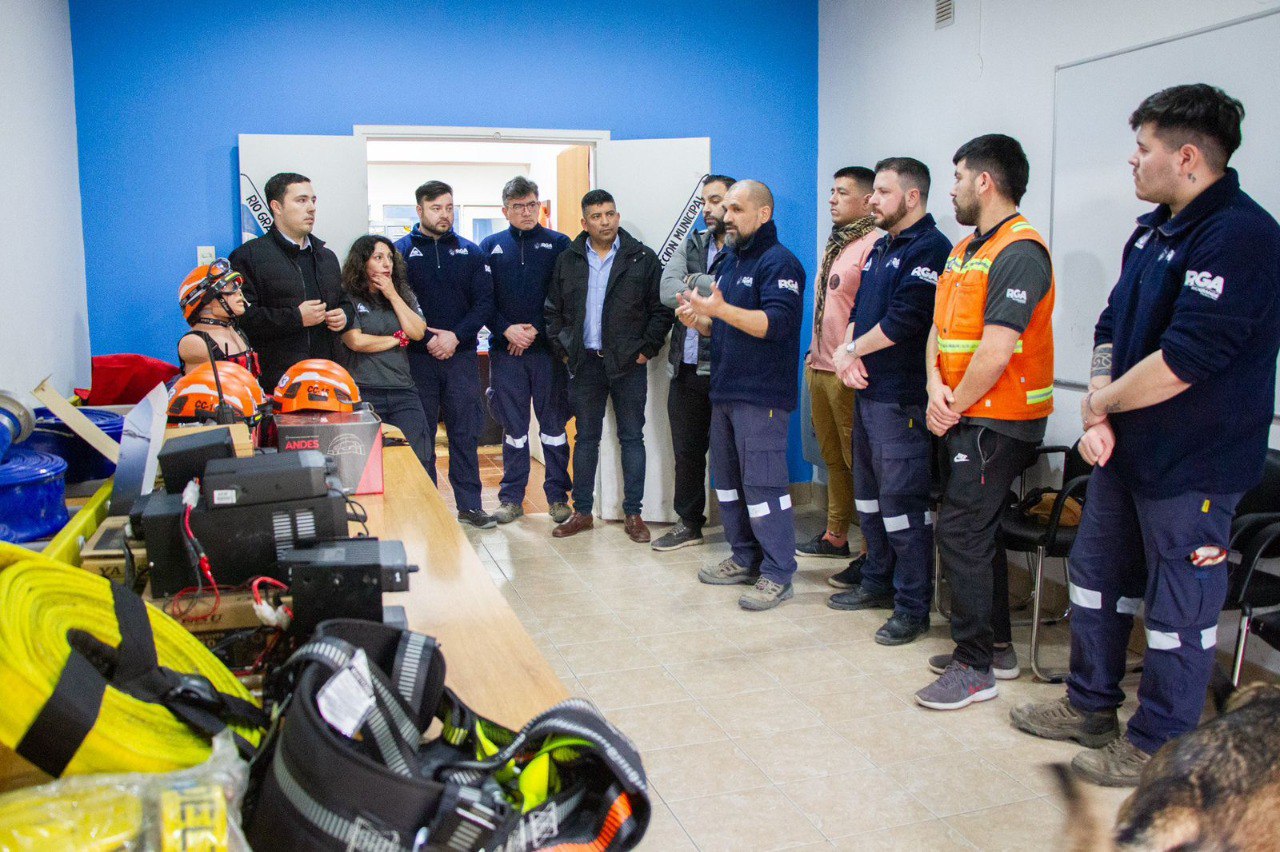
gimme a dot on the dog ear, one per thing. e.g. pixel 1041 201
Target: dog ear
pixel 1084 831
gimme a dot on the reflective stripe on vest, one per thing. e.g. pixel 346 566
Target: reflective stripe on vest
pixel 1024 391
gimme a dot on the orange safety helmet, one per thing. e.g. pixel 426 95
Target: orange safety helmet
pixel 316 385
pixel 204 283
pixel 195 395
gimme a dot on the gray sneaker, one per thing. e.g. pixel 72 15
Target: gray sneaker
pixel 727 573
pixel 560 512
pixel 765 594
pixel 508 512
pixel 1059 720
pixel 681 535
pixel 1004 663
pixel 958 687
pixel 1117 764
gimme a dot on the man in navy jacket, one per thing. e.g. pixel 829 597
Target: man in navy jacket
pixel 522 368
pixel 753 317
pixel 1181 396
pixel 449 276
pixel 884 358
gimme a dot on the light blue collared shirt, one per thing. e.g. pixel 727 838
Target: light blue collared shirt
pixel 691 335
pixel 598 270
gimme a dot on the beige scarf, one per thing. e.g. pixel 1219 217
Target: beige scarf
pixel 840 237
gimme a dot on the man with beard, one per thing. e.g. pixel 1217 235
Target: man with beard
pixel 883 356
pixel 1182 390
pixel 990 383
pixel 295 306
pixel 753 316
pixel 853 233
pixel 453 284
pixel 689 400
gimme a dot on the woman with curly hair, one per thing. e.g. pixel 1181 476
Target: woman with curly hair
pixel 387 319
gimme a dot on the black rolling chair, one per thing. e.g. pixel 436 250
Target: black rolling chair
pixel 1255 536
pixel 1052 540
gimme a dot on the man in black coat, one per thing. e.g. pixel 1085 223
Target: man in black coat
pixel 606 319
pixel 293 284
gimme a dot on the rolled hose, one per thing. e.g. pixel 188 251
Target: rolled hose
pixel 41 601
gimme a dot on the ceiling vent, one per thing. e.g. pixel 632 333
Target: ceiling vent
pixel 944 13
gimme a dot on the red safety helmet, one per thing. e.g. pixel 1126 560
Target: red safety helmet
pixel 316 385
pixel 205 283
pixel 195 396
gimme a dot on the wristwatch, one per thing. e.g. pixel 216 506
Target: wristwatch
pixel 851 348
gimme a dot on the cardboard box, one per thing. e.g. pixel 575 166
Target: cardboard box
pixel 352 441
pixel 235 614
pixel 103 553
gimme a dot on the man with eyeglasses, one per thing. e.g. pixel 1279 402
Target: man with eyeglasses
pixel 292 283
pixel 522 370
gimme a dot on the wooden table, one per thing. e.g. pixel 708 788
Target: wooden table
pixel 491 661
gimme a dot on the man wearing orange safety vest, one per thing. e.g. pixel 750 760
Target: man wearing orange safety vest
pixel 990 381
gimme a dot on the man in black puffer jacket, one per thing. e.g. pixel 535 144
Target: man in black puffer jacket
pixel 606 319
pixel 293 284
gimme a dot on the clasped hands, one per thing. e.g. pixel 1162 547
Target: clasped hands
pixel 520 336
pixel 696 310
pixel 1099 439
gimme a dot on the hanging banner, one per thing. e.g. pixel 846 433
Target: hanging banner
pixel 684 222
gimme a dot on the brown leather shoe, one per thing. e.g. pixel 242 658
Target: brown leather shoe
pixel 636 529
pixel 577 522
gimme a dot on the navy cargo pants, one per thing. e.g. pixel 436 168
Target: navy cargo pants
pixel 516 382
pixel 749 469
pixel 891 454
pixel 451 389
pixel 1168 556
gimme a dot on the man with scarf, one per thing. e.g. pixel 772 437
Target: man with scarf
pixel 882 356
pixel 853 233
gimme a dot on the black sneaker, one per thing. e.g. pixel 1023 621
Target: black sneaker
pixel 849 577
pixel 901 629
pixel 677 537
pixel 819 546
pixel 856 598
pixel 477 518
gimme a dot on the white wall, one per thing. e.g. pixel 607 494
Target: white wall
pixel 44 325
pixel 889 84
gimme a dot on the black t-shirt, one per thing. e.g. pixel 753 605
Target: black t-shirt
pixel 1020 277
pixel 389 369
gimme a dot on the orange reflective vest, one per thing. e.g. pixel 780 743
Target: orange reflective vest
pixel 1025 390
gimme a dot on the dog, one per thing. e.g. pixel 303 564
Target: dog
pixel 1213 790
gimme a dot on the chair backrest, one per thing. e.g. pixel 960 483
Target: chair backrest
pixel 1074 465
pixel 1265 496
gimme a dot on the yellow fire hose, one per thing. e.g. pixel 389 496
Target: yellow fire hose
pixel 43 604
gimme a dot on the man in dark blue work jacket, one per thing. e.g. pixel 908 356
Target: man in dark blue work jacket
pixel 753 317
pixel 522 368
pixel 1177 416
pixel 449 276
pixel 883 357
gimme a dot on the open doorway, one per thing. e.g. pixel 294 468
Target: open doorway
pixel 477 173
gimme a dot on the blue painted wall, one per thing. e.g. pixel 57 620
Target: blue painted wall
pixel 162 90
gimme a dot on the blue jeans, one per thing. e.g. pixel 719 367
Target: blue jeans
pixel 402 408
pixel 1133 551
pixel 590 389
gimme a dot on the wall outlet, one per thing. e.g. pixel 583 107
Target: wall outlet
pixel 205 255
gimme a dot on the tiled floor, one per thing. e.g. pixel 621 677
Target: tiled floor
pixel 784 729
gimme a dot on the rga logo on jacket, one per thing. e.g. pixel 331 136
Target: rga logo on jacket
pixel 746 281
pixel 543 246
pixel 789 284
pixel 463 250
pixel 1205 283
pixel 1019 296
pixel 924 273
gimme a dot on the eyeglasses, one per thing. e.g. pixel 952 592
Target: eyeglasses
pixel 526 207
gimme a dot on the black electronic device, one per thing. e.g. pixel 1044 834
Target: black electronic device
pixel 322 591
pixel 265 479
pixel 387 555
pixel 240 541
pixel 183 458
